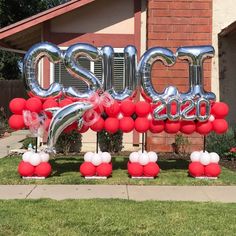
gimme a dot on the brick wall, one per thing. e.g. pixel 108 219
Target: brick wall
pixel 171 24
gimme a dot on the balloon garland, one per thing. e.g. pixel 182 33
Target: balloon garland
pixel 59 109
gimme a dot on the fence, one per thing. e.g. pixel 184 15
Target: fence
pixel 10 89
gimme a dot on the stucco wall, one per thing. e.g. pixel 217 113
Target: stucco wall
pixel 223 15
pixel 103 16
pixel 227 68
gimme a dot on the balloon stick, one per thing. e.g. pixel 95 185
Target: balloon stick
pixel 97 143
pixel 143 141
pixel 36 146
pixel 204 143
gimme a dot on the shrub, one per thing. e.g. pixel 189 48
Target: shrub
pixel 110 142
pixel 181 144
pixel 69 142
pixel 221 143
pixel 3 121
pixel 27 141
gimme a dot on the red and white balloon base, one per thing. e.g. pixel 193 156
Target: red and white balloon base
pixel 204 165
pixel 143 165
pixel 34 165
pixel 96 165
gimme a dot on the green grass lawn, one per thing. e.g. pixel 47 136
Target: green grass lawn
pixel 66 171
pixel 115 217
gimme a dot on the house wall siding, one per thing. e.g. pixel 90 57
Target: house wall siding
pixel 172 24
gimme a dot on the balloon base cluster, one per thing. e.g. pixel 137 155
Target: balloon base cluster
pixel 34 165
pixel 96 165
pixel 143 165
pixel 204 165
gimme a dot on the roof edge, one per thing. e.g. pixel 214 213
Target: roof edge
pixel 42 17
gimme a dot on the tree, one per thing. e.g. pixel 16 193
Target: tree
pixel 11 12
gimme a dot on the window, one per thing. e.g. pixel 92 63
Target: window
pixel 61 75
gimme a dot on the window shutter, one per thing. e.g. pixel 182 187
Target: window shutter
pixel 63 77
pixel 118 71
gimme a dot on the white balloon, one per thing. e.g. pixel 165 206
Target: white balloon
pixel 35 159
pixel 195 156
pixel 152 156
pixel 144 159
pixel 88 156
pixel 26 156
pixel 140 152
pixel 211 118
pixel 205 158
pixel 106 157
pixel 96 159
pixel 133 157
pixel 214 157
pixel 204 151
pixel 44 156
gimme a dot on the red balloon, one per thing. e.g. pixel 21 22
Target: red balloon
pixel 212 170
pixel 16 122
pixel 99 109
pixel 104 169
pixel 172 127
pixel 44 169
pixel 135 169
pixel 196 169
pixel 204 127
pixel 126 124
pixel 220 110
pixel 25 169
pixel 141 124
pixel 47 124
pixel 34 105
pixel 111 124
pixel 156 126
pixel 127 107
pixel 71 127
pixel 65 102
pixel 49 103
pixel 187 127
pixel 17 105
pixel 220 126
pixel 98 125
pixel 83 129
pixel 87 169
pixel 113 110
pixel 151 169
pixel 142 108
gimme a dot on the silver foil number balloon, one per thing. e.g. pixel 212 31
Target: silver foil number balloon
pixel 63 118
pixel 195 56
pixel 30 64
pixel 131 81
pixel 188 107
pixel 72 54
pixel 203 109
pixel 145 67
pixel 169 108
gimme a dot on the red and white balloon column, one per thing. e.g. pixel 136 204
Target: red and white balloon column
pixel 96 165
pixel 204 165
pixel 143 165
pixel 34 165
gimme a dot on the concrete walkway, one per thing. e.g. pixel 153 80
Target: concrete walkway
pixel 224 194
pixel 12 142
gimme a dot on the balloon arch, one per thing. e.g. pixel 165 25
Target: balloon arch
pixel 59 109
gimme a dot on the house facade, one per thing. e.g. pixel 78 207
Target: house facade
pixel 144 24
